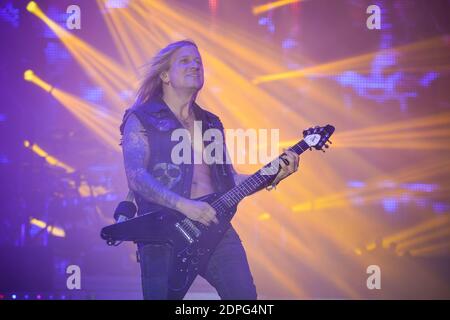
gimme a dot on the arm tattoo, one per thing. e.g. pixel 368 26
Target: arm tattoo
pixel 136 154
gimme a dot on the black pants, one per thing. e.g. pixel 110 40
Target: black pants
pixel 227 270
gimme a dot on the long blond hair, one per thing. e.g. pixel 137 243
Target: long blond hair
pixel 151 85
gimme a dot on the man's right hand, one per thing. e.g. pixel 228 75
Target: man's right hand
pixel 198 211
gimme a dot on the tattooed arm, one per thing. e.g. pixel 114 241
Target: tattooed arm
pixel 136 153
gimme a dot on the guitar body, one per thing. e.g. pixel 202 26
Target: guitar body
pixel 192 242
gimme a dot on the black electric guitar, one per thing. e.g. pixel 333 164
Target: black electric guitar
pixel 192 241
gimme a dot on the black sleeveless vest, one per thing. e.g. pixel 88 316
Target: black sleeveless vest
pixel 159 123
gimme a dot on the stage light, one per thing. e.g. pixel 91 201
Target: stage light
pixel 32 6
pixel 48 158
pixel 105 126
pixel 54 231
pixel 36 149
pixel 29 75
pixel 38 223
pixel 14 297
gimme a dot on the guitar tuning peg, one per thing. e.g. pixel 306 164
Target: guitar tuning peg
pixel 327 146
pixel 329 141
pixel 322 150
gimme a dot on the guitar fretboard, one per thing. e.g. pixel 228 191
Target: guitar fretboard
pixel 261 179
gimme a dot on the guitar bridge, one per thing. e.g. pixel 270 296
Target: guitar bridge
pixel 185 234
pixel 188 230
pixel 187 224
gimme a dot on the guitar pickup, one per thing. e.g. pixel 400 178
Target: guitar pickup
pixel 184 233
pixel 190 226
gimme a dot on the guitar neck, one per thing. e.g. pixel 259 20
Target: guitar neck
pixel 260 179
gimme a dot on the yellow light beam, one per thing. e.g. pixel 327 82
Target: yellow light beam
pixel 374 189
pixel 431 126
pixel 51 229
pixel 272 5
pixel 360 61
pixel 302 253
pixel 107 16
pixel 130 42
pixel 407 145
pixel 437 249
pixel 434 120
pixel 103 125
pixel 423 238
pixel 102 69
pixel 30 76
pixel 48 158
pixel 106 130
pixel 411 232
pixel 416 134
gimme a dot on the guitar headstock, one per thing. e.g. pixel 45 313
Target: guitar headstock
pixel 318 137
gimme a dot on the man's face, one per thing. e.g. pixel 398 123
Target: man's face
pixel 186 69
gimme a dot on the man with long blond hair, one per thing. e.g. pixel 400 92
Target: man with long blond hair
pixel 166 102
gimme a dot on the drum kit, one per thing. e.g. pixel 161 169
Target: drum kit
pixel 79 203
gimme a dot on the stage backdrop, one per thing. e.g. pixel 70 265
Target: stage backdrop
pixel 367 219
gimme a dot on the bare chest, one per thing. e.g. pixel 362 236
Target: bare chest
pixel 201 180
